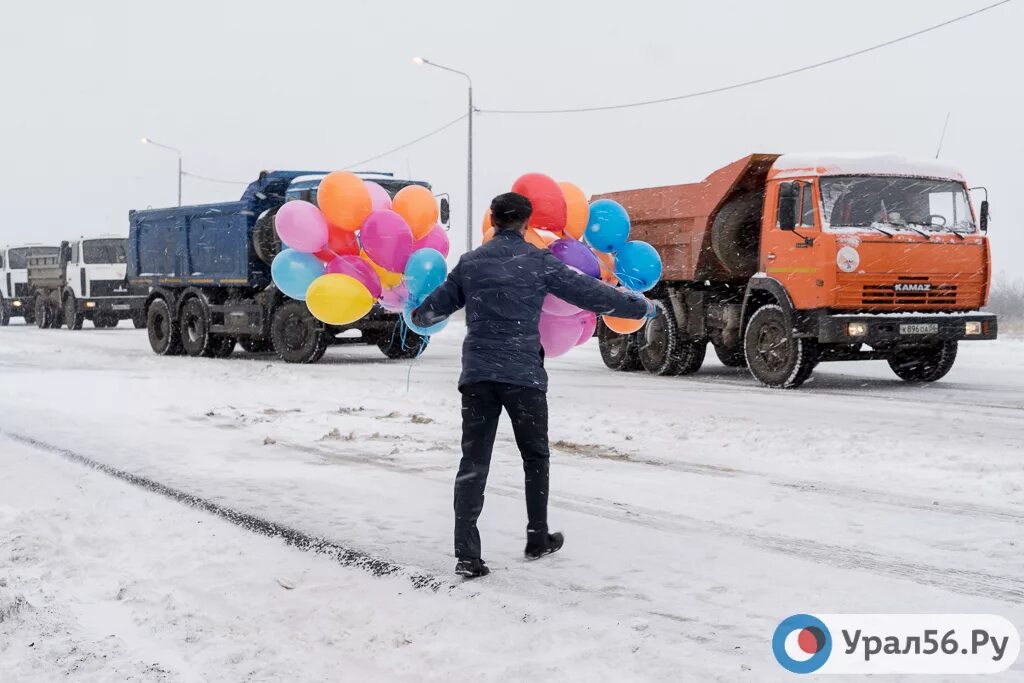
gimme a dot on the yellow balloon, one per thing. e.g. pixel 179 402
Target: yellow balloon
pixel 388 279
pixel 338 299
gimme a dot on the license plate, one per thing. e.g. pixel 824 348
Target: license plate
pixel 919 328
pixel 120 307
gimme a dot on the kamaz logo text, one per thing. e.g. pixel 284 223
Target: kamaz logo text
pixel 912 287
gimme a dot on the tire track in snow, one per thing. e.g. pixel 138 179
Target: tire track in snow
pixel 343 555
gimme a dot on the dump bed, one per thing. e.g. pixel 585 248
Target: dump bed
pixel 708 230
pixel 48 270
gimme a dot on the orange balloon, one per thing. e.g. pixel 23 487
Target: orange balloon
pixel 344 200
pixel 623 325
pixel 487 224
pixel 577 210
pixel 539 238
pixel 388 279
pixel 607 262
pixel 416 205
pixel 488 234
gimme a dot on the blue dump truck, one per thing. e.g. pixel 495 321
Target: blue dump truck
pixel 209 270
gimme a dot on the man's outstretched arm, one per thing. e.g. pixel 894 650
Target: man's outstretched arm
pixel 443 301
pixel 591 294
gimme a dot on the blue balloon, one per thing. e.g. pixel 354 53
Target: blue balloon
pixel 608 226
pixel 422 331
pixel 424 272
pixel 293 272
pixel 638 265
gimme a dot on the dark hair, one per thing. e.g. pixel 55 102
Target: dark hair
pixel 510 211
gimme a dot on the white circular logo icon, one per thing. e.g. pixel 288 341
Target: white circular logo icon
pixel 848 259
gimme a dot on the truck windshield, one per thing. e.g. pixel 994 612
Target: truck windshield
pixel 18 258
pixel 105 251
pixel 895 201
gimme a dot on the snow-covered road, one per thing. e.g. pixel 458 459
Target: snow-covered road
pixel 698 512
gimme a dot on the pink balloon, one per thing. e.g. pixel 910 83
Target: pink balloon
pixel 554 306
pixel 387 240
pixel 394 299
pixel 301 226
pixel 359 269
pixel 559 334
pixel 379 196
pixel 437 239
pixel 589 322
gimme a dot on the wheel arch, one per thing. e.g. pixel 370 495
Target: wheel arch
pixel 761 291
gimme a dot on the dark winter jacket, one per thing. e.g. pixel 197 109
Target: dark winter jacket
pixel 502 285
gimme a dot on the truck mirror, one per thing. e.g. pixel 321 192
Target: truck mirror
pixel 789 198
pixel 983 218
pixel 446 210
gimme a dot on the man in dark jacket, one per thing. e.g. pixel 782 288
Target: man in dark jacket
pixel 502 286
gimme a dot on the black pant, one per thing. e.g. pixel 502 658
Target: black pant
pixel 481 407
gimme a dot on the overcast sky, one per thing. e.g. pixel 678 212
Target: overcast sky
pixel 244 86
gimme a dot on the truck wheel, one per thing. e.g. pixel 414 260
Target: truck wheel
pixel 104 321
pixel 72 318
pixel 195 328
pixel 255 344
pixel 775 357
pixel 5 314
pixel 662 351
pixel 28 314
pixel 139 320
pixel 618 351
pixel 42 313
pixel 164 333
pixel 390 343
pixel 731 358
pixel 924 364
pixel 221 347
pixel 297 336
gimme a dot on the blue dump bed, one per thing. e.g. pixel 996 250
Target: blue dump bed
pixel 209 244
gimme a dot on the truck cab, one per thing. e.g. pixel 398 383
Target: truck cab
pixel 16 300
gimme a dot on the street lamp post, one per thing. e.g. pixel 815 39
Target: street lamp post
pixel 469 153
pixel 147 141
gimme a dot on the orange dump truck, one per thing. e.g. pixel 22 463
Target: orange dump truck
pixel 782 262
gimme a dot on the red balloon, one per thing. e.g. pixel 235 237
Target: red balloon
pixel 549 209
pixel 325 255
pixel 342 242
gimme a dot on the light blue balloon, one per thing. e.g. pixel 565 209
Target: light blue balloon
pixel 422 331
pixel 293 272
pixel 608 226
pixel 638 265
pixel 424 272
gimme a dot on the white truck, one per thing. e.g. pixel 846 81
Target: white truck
pixel 85 280
pixel 16 301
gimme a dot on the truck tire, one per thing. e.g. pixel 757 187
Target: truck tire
pixel 731 358
pixel 265 241
pixel 776 357
pixel 42 313
pixel 194 322
pixel 5 313
pixel 72 317
pixel 736 234
pixel 924 364
pixel 391 343
pixel 221 346
pixel 297 336
pixel 28 313
pixel 139 320
pixel 255 345
pixel 104 321
pixel 618 351
pixel 164 333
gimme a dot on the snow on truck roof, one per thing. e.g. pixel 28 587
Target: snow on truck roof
pixel 797 165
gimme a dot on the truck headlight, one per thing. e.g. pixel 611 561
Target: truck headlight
pixel 856 329
pixel 972 327
pixel 90 304
pixel 16 304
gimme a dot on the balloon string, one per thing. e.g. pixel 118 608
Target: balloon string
pixel 424 342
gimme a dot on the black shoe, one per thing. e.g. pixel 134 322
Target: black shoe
pixel 471 569
pixel 545 545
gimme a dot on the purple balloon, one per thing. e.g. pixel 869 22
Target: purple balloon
pixel 589 321
pixel 559 334
pixel 437 239
pixel 387 240
pixel 357 268
pixel 301 226
pixel 379 196
pixel 394 299
pixel 576 254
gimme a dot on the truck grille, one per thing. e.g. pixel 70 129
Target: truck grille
pixel 886 292
pixel 109 288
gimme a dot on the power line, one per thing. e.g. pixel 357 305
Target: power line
pixel 214 180
pixel 755 81
pixel 410 143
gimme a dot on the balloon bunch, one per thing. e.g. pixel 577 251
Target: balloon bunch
pixel 592 239
pixel 358 247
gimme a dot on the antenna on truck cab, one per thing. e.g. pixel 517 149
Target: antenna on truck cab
pixel 943 136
